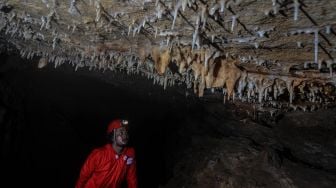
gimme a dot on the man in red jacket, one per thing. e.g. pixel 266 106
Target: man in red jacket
pixel 109 166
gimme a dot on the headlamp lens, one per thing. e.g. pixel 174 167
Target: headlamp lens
pixel 124 122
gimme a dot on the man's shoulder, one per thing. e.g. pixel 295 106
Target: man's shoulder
pixel 101 149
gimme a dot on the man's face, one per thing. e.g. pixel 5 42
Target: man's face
pixel 121 136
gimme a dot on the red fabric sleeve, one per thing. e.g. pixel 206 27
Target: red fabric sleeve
pixel 132 179
pixel 87 169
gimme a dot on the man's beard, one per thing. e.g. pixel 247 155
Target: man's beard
pixel 121 141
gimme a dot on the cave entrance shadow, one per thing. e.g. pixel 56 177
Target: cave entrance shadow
pixel 66 115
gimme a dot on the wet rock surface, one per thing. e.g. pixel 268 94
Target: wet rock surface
pixel 310 137
pixel 297 151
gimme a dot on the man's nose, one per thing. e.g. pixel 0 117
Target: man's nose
pixel 124 135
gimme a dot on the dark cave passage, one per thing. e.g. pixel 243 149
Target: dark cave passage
pixel 61 117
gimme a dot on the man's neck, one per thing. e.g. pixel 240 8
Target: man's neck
pixel 117 149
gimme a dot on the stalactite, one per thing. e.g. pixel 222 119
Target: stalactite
pixel 296 9
pixel 289 84
pixel 194 39
pixel 261 33
pixel 208 55
pixel 234 20
pixel 329 63
pixel 144 22
pixel 73 10
pixel 129 30
pixel 177 7
pixel 135 31
pixel 222 5
pixel 256 45
pixel 98 10
pixel 165 82
pixel 168 40
pixel 138 29
pixel 159 12
pixel 316 42
pixel 328 29
pixel 275 7
pixel 319 66
pixel 299 44
pixel 224 91
pixel 197 21
pixel 184 4
pixel 55 42
pixel 242 84
pixel 204 15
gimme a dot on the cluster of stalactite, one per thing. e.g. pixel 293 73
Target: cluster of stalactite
pixel 209 69
pixel 212 70
pixel 212 23
pixel 196 61
pixel 203 68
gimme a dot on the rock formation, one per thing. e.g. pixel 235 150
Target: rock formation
pixel 277 53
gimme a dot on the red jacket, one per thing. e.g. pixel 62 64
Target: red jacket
pixel 104 168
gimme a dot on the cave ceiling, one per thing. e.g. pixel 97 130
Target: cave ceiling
pixel 255 51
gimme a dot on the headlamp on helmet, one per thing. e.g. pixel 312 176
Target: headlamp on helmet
pixel 116 124
pixel 124 122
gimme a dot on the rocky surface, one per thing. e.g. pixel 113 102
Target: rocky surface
pixel 270 52
pixel 226 151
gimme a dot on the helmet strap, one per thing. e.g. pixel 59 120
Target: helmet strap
pixel 114 136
